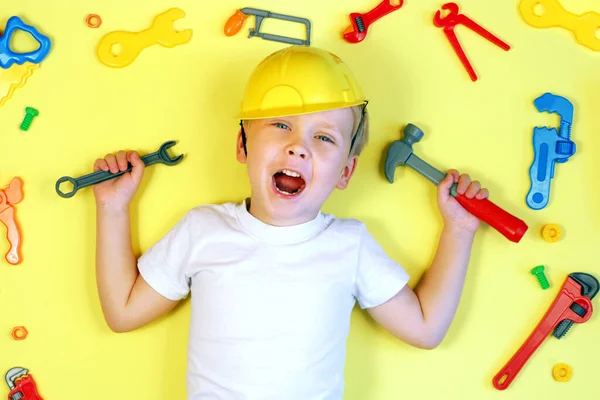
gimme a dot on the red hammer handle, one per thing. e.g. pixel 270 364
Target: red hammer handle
pixel 507 224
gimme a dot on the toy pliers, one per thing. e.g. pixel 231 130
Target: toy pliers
pixel 572 305
pixel 9 196
pixel 450 21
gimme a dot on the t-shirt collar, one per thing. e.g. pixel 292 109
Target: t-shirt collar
pixel 279 234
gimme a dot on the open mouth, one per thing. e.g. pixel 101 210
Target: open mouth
pixel 288 182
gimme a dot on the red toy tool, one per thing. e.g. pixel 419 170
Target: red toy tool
pixel 450 21
pixel 359 23
pixel 8 197
pixel 21 385
pixel 572 305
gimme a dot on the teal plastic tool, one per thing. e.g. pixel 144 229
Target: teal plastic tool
pixel 8 57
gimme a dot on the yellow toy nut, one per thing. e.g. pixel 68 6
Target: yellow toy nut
pixel 562 372
pixel 551 233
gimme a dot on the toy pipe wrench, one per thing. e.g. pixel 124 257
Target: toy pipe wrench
pixel 359 23
pixel 549 147
pixel 21 385
pixel 9 196
pixel 450 21
pixel 572 305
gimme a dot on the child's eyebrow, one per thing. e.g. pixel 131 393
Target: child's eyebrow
pixel 328 125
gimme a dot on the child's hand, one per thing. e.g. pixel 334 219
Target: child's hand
pixel 452 212
pixel 117 193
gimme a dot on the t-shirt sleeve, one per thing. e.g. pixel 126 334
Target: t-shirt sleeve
pixel 163 266
pixel 378 277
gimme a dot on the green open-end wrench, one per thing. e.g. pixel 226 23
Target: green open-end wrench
pixel 160 156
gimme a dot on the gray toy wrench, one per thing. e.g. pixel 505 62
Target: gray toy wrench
pixel 160 156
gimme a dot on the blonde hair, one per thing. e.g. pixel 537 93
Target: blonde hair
pixel 361 122
pixel 362 135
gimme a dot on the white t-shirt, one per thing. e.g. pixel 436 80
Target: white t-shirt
pixel 270 306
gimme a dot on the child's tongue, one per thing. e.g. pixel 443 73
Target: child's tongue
pixel 288 184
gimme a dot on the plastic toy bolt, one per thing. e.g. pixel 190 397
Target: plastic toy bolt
pixel 30 114
pixel 541 277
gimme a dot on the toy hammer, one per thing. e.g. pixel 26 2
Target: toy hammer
pixel 401 153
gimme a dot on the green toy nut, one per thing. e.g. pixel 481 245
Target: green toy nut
pixel 541 277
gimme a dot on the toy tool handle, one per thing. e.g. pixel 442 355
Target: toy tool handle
pixel 507 224
pixel 234 23
pixel 541 170
pixel 509 372
pixel 382 9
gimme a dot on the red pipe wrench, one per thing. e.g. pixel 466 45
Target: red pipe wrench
pixel 359 23
pixel 9 196
pixel 450 21
pixel 21 385
pixel 572 305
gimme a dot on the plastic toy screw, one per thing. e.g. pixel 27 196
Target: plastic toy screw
pixel 30 114
pixel 541 277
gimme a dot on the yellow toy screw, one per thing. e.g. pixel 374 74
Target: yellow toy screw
pixel 551 233
pixel 30 114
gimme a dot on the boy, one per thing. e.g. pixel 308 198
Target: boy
pixel 273 279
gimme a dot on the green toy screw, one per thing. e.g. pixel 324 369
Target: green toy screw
pixel 539 274
pixel 30 114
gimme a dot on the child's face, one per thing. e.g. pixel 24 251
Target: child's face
pixel 295 162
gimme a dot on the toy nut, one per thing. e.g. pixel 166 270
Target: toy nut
pixel 19 333
pixel 551 233
pixel 562 372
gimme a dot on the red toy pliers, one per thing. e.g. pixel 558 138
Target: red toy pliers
pixel 572 305
pixel 450 21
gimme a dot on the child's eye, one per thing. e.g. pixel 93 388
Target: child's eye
pixel 281 125
pixel 324 138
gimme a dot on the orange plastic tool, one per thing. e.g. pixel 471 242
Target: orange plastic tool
pixel 8 197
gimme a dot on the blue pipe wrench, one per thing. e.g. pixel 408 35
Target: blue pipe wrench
pixel 8 57
pixel 550 146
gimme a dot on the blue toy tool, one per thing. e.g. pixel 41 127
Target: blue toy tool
pixel 8 57
pixel 549 146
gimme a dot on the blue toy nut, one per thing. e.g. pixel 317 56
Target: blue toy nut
pixel 8 57
pixel 550 146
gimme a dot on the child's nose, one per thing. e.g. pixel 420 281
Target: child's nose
pixel 297 151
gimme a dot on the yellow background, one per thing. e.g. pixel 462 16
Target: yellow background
pixel 191 93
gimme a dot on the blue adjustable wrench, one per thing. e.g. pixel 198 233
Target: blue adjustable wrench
pixel 550 146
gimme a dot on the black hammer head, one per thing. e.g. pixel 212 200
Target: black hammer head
pixel 399 151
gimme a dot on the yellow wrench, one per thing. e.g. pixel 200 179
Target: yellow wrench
pixel 551 14
pixel 132 43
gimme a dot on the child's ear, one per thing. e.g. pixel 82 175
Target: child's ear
pixel 347 173
pixel 240 154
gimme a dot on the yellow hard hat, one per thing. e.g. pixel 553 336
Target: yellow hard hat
pixel 299 80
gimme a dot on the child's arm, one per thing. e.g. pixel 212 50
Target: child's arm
pixel 127 301
pixel 422 317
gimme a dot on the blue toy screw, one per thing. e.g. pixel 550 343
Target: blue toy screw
pixel 30 114
pixel 539 274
